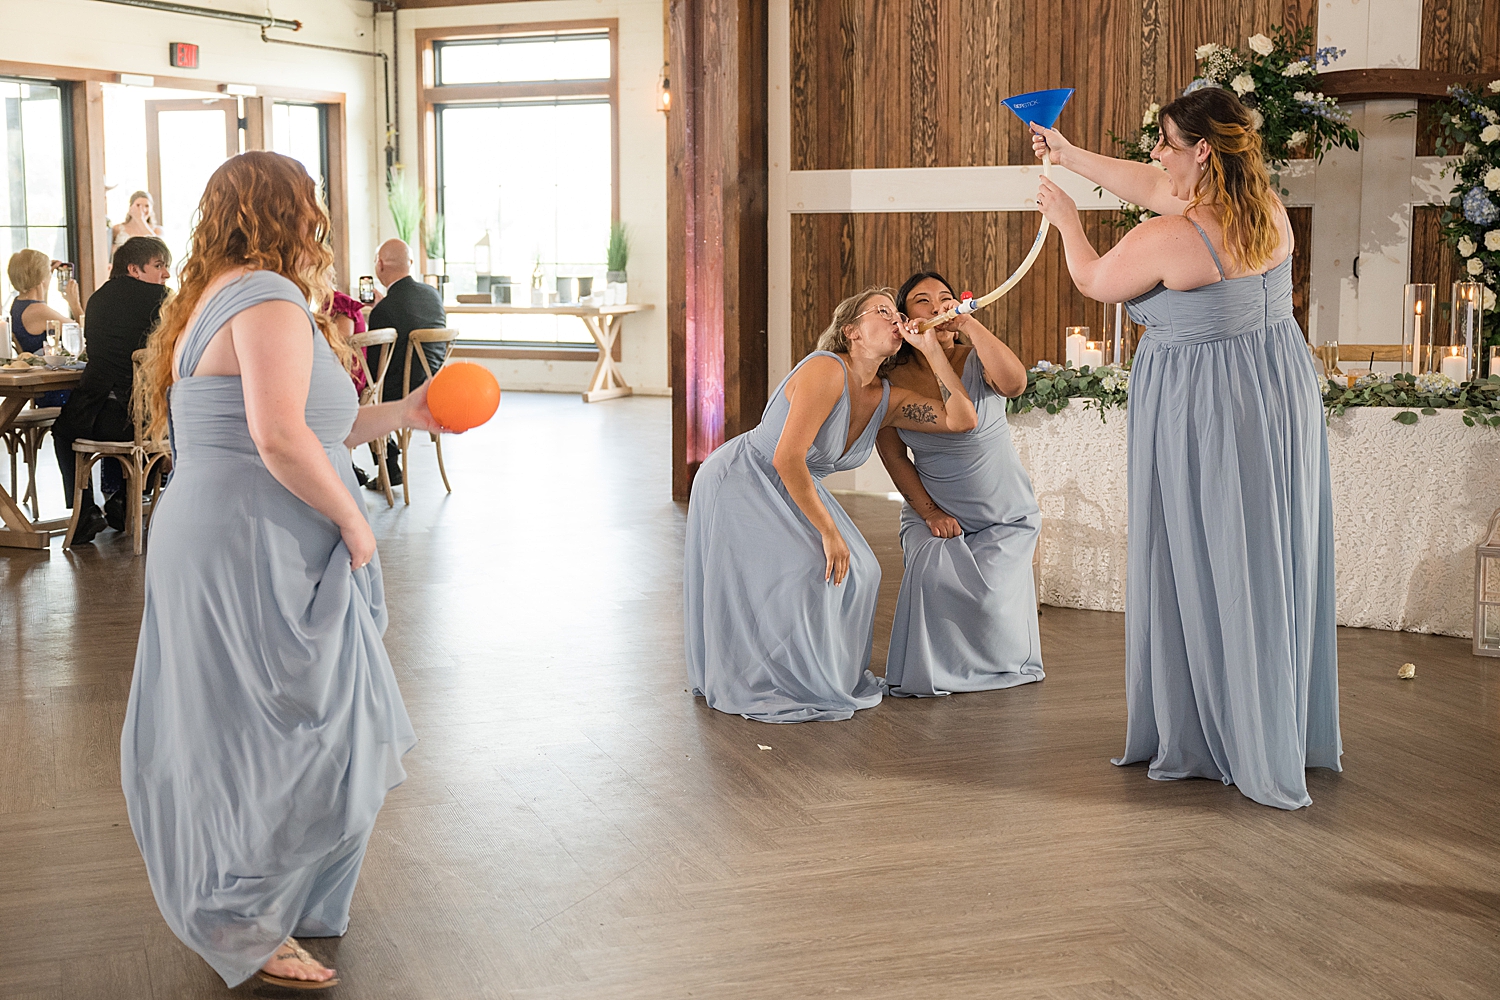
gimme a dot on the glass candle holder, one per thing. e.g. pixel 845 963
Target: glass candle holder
pixel 1416 328
pixel 1074 339
pixel 1468 323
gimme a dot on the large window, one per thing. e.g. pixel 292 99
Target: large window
pixel 524 169
pixel 301 132
pixel 34 211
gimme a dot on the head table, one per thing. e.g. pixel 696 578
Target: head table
pixel 1409 505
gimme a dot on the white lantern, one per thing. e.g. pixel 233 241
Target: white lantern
pixel 1487 591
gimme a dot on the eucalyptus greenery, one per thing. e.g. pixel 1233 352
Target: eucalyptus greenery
pixel 405 200
pixel 1049 387
pixel 1424 394
pixel 1276 79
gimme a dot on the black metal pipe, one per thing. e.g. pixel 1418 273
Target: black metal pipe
pixel 265 21
pixel 385 62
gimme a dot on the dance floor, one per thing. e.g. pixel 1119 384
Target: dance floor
pixel 576 827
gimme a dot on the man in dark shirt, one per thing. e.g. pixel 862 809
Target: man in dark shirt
pixel 119 317
pixel 408 305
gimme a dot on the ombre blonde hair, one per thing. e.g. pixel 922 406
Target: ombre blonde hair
pixel 1234 186
pixel 260 211
pixel 836 337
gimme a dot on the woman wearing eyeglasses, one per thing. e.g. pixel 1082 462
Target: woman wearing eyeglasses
pixel 966 616
pixel 779 586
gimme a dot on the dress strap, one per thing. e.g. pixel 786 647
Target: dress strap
pixel 1211 250
pixel 251 289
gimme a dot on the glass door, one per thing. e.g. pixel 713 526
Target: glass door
pixel 186 141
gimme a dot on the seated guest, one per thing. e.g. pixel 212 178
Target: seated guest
pixel 348 319
pixel 29 271
pixel 408 305
pixel 121 314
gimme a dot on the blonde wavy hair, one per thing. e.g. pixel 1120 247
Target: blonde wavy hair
pixel 835 337
pixel 260 211
pixel 1235 186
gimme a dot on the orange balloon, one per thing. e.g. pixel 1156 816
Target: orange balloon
pixel 463 395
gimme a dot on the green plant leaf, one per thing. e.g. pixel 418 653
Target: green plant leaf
pixel 1405 417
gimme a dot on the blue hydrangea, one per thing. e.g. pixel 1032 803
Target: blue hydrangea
pixel 1478 208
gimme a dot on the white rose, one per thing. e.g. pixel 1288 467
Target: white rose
pixel 1490 115
pixel 1261 45
pixel 1242 84
pixel 1296 139
pixel 1495 86
pixel 1492 179
pixel 1492 240
pixel 1206 50
pixel 1491 133
pixel 1489 299
pixel 1149 118
pixel 1475 266
pixel 1466 247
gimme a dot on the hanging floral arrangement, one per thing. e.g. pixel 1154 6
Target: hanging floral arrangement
pixel 1277 80
pixel 1467 127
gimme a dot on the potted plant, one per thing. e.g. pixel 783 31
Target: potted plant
pixel 433 242
pixel 617 256
pixel 404 200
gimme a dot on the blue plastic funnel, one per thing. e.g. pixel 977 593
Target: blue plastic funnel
pixel 1041 106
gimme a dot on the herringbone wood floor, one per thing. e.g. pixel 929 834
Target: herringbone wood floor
pixel 575 826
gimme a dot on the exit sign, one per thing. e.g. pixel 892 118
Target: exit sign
pixel 184 55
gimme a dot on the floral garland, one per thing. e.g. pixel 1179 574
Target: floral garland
pixel 1049 387
pixel 1468 125
pixel 1295 120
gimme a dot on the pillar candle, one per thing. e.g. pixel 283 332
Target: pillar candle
pixel 1456 366
pixel 1075 349
pixel 1092 355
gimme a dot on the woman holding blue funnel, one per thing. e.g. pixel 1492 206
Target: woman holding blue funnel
pixel 1231 662
pixel 966 615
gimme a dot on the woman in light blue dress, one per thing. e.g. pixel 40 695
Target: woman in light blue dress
pixel 966 615
pixel 1231 661
pixel 264 725
pixel 779 586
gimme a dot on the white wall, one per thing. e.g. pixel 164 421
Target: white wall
pixel 116 38
pixel 643 174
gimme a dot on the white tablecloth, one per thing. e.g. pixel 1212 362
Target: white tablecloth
pixel 1409 505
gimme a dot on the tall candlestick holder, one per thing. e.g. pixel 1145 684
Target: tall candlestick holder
pixel 1468 324
pixel 1119 358
pixel 1416 328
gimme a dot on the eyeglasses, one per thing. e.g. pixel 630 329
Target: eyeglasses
pixel 886 313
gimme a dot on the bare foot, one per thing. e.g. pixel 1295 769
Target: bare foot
pixel 292 961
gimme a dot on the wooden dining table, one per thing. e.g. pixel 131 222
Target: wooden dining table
pixel 16 388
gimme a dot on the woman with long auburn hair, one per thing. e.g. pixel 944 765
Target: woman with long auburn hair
pixel 1231 665
pixel 779 586
pixel 264 725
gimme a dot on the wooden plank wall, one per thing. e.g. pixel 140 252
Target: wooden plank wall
pixel 918 83
pixel 1458 36
pixel 1434 262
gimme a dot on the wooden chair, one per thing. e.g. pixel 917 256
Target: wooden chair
pixel 24 438
pixel 403 436
pixel 145 463
pixel 374 390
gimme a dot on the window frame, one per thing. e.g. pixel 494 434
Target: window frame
pixel 431 96
pixel 67 126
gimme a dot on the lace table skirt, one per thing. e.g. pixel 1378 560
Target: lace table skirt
pixel 1409 505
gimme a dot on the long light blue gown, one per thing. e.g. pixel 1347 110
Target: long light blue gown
pixel 264 725
pixel 1231 662
pixel 766 636
pixel 966 614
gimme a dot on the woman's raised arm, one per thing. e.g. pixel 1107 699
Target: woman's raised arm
pixel 1136 183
